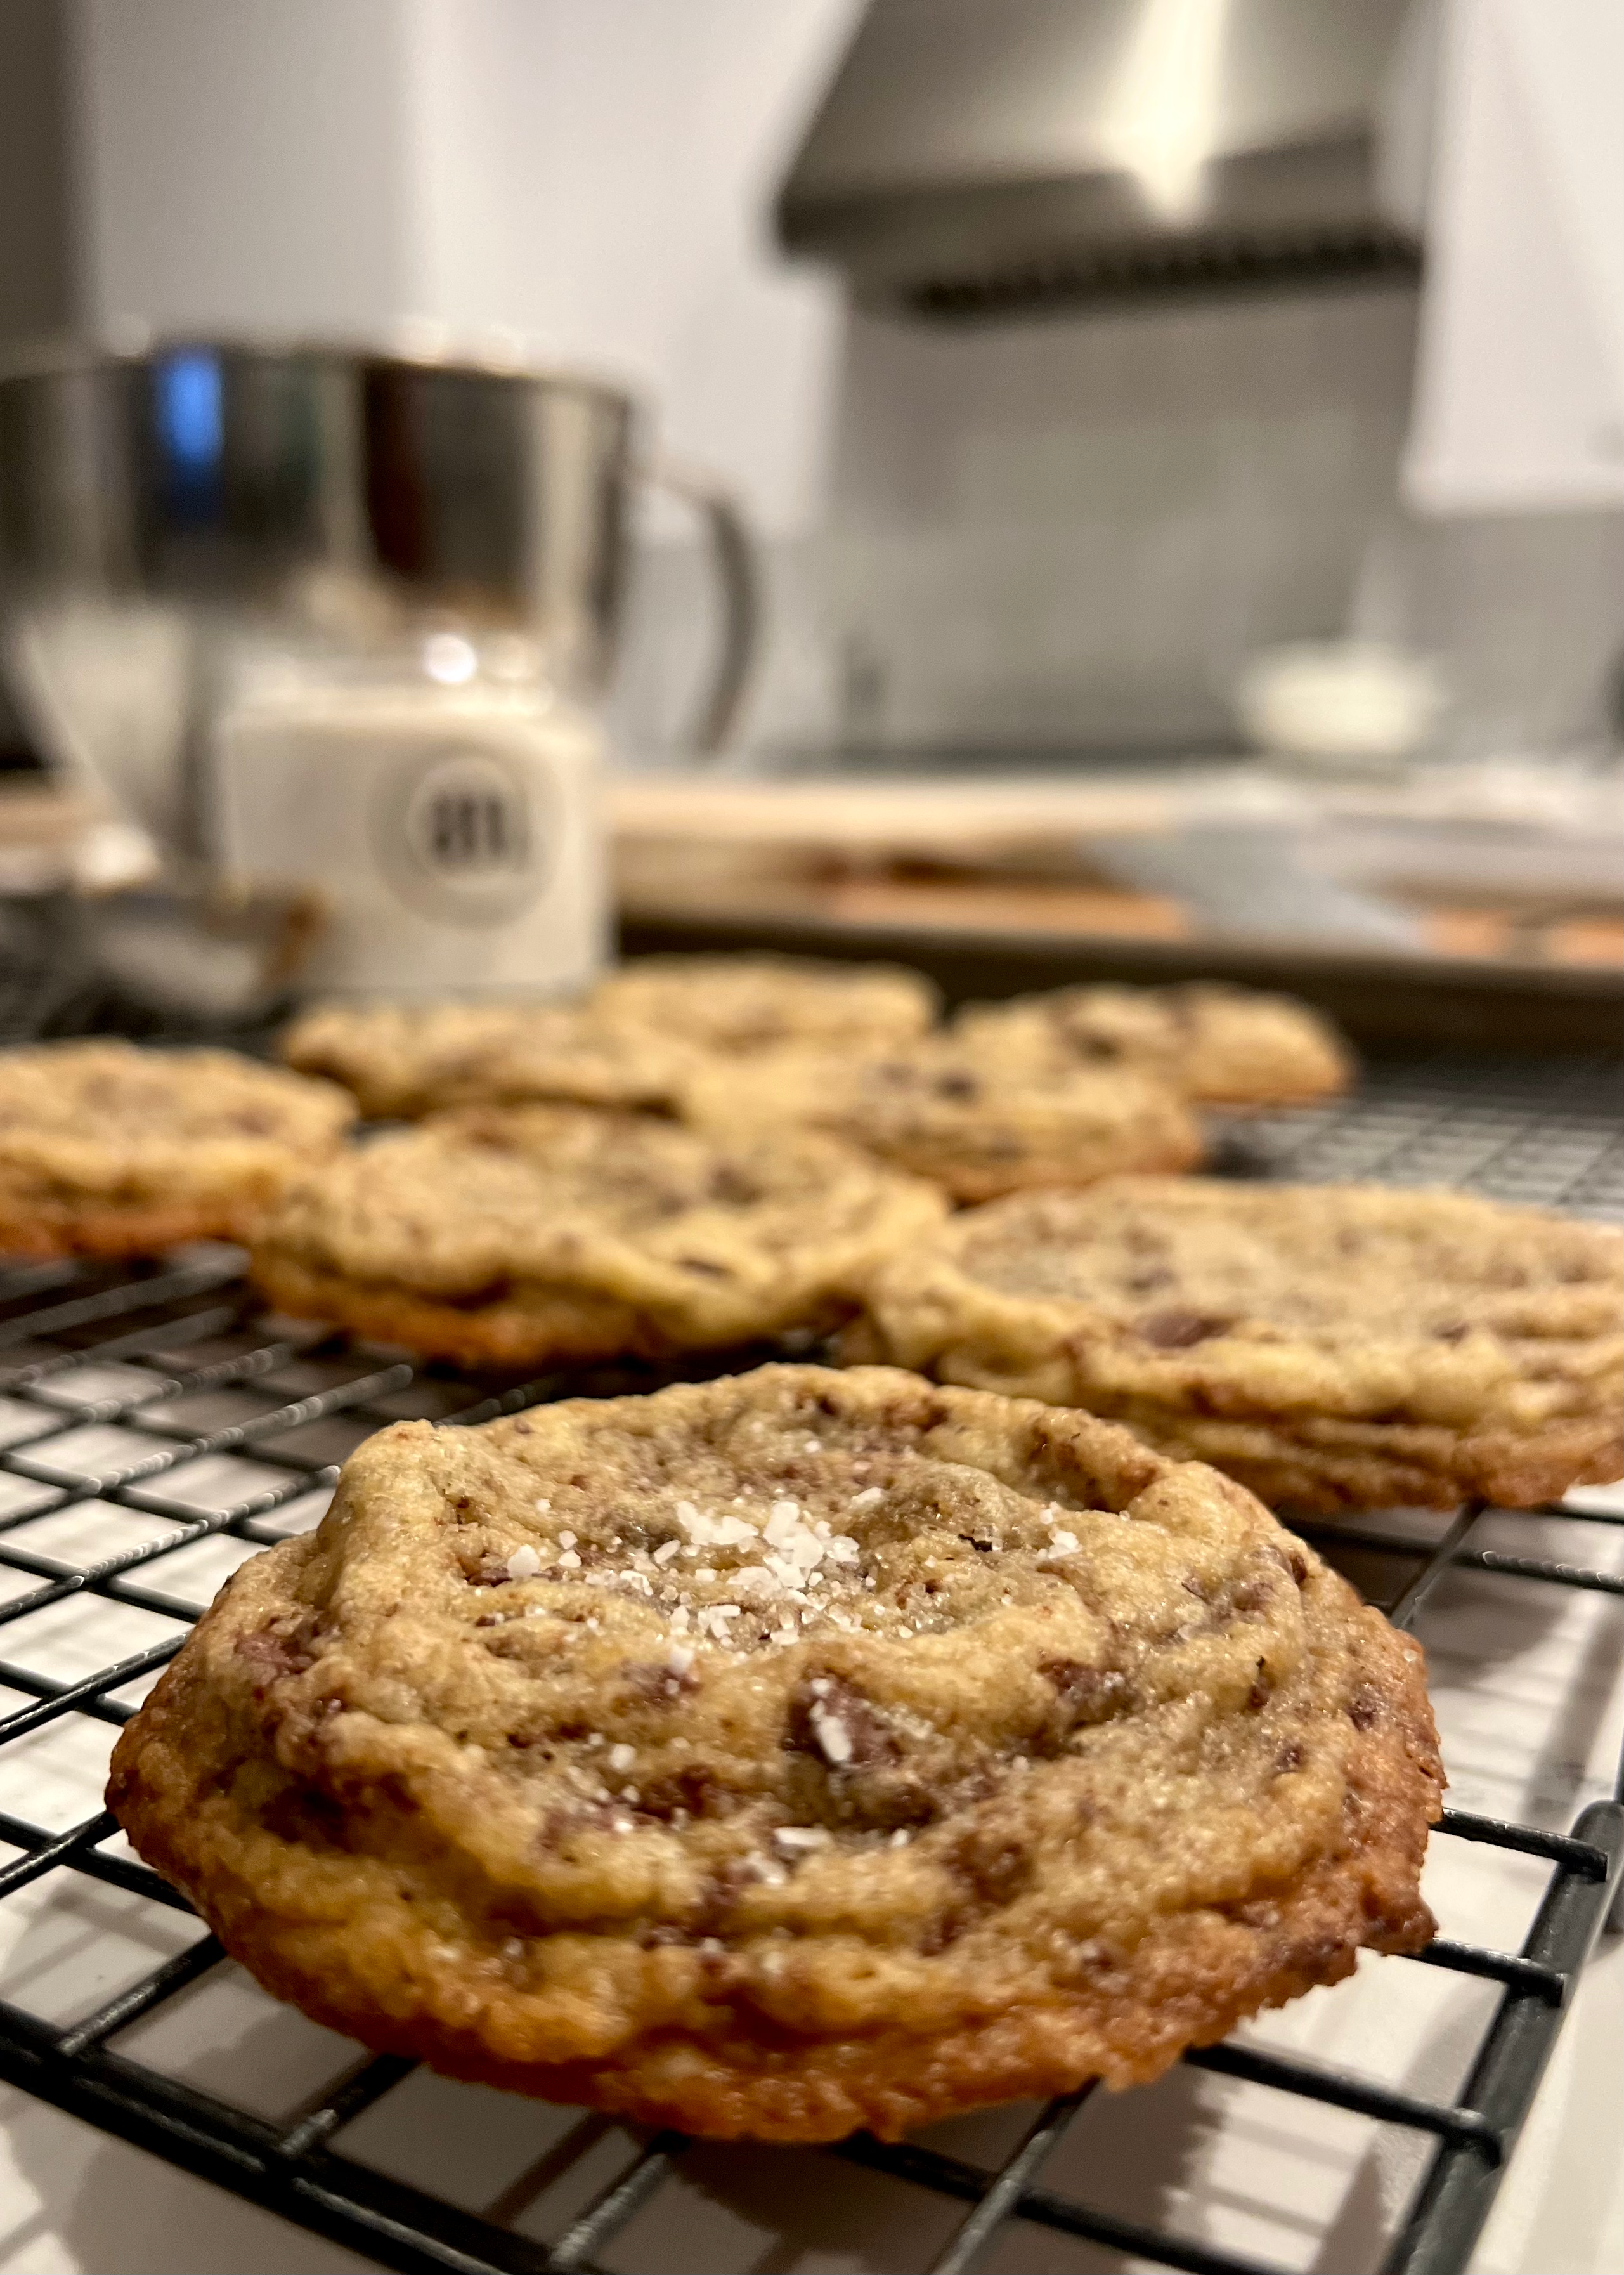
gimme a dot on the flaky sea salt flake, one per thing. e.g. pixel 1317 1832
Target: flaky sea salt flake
pixel 834 1738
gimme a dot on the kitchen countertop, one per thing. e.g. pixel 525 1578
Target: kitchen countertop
pixel 1481 864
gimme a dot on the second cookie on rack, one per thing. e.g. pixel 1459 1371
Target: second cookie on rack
pixel 1330 1347
pixel 107 1149
pixel 537 1236
pixel 934 1109
pixel 405 1060
pixel 1222 1046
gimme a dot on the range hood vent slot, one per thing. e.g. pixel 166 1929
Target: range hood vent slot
pixel 986 159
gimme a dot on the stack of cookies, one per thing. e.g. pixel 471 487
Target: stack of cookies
pixel 819 1747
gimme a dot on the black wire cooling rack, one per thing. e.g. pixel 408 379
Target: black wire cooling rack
pixel 160 1402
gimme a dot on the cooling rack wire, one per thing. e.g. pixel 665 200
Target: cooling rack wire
pixel 156 1427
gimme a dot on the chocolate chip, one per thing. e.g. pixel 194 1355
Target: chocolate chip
pixel 278 1652
pixel 304 1817
pixel 828 1715
pixel 1150 1282
pixel 695 1788
pixel 995 1867
pixel 855 1773
pixel 957 1085
pixel 1251 1596
pixel 1262 1690
pixel 1363 1709
pixel 659 1683
pixel 1455 1332
pixel 560 1825
pixel 1083 1696
pixel 1289 1759
pixel 719 1897
pixel 945 1929
pixel 1178 1330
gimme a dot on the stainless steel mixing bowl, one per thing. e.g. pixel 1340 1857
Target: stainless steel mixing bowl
pixel 152 504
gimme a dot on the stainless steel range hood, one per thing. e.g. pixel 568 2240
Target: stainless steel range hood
pixel 997 157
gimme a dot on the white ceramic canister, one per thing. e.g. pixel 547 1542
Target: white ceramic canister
pixel 450 835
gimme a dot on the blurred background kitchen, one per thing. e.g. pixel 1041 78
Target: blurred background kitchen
pixel 1164 461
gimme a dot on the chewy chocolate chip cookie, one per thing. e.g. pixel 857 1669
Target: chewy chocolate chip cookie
pixel 1334 1348
pixel 791 1753
pixel 1220 1045
pixel 109 1150
pixel 530 1235
pixel 405 1059
pixel 975 1128
pixel 741 1004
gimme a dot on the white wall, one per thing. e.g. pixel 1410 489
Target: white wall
pixel 245 164
pixel 598 178
pixel 1045 532
pixel 590 176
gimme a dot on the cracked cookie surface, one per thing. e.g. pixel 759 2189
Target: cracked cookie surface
pixel 789 1753
pixel 741 1004
pixel 1334 1348
pixel 405 1060
pixel 1219 1045
pixel 526 1236
pixel 107 1149
pixel 937 1109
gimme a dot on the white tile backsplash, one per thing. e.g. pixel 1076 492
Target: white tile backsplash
pixel 1073 530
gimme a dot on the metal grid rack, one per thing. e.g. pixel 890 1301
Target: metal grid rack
pixel 162 1397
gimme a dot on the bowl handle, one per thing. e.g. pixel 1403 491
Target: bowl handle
pixel 738 569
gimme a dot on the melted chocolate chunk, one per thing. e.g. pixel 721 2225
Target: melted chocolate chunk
pixel 1175 1330
pixel 278 1652
pixel 695 1788
pixel 832 1720
pixel 1083 1696
pixel 995 1867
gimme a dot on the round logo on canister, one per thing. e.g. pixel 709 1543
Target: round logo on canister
pixel 466 835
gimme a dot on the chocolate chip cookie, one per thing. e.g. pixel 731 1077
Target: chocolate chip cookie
pixel 975 1128
pixel 109 1150
pixel 789 1753
pixel 405 1059
pixel 528 1235
pixel 1222 1046
pixel 748 1003
pixel 1334 1348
